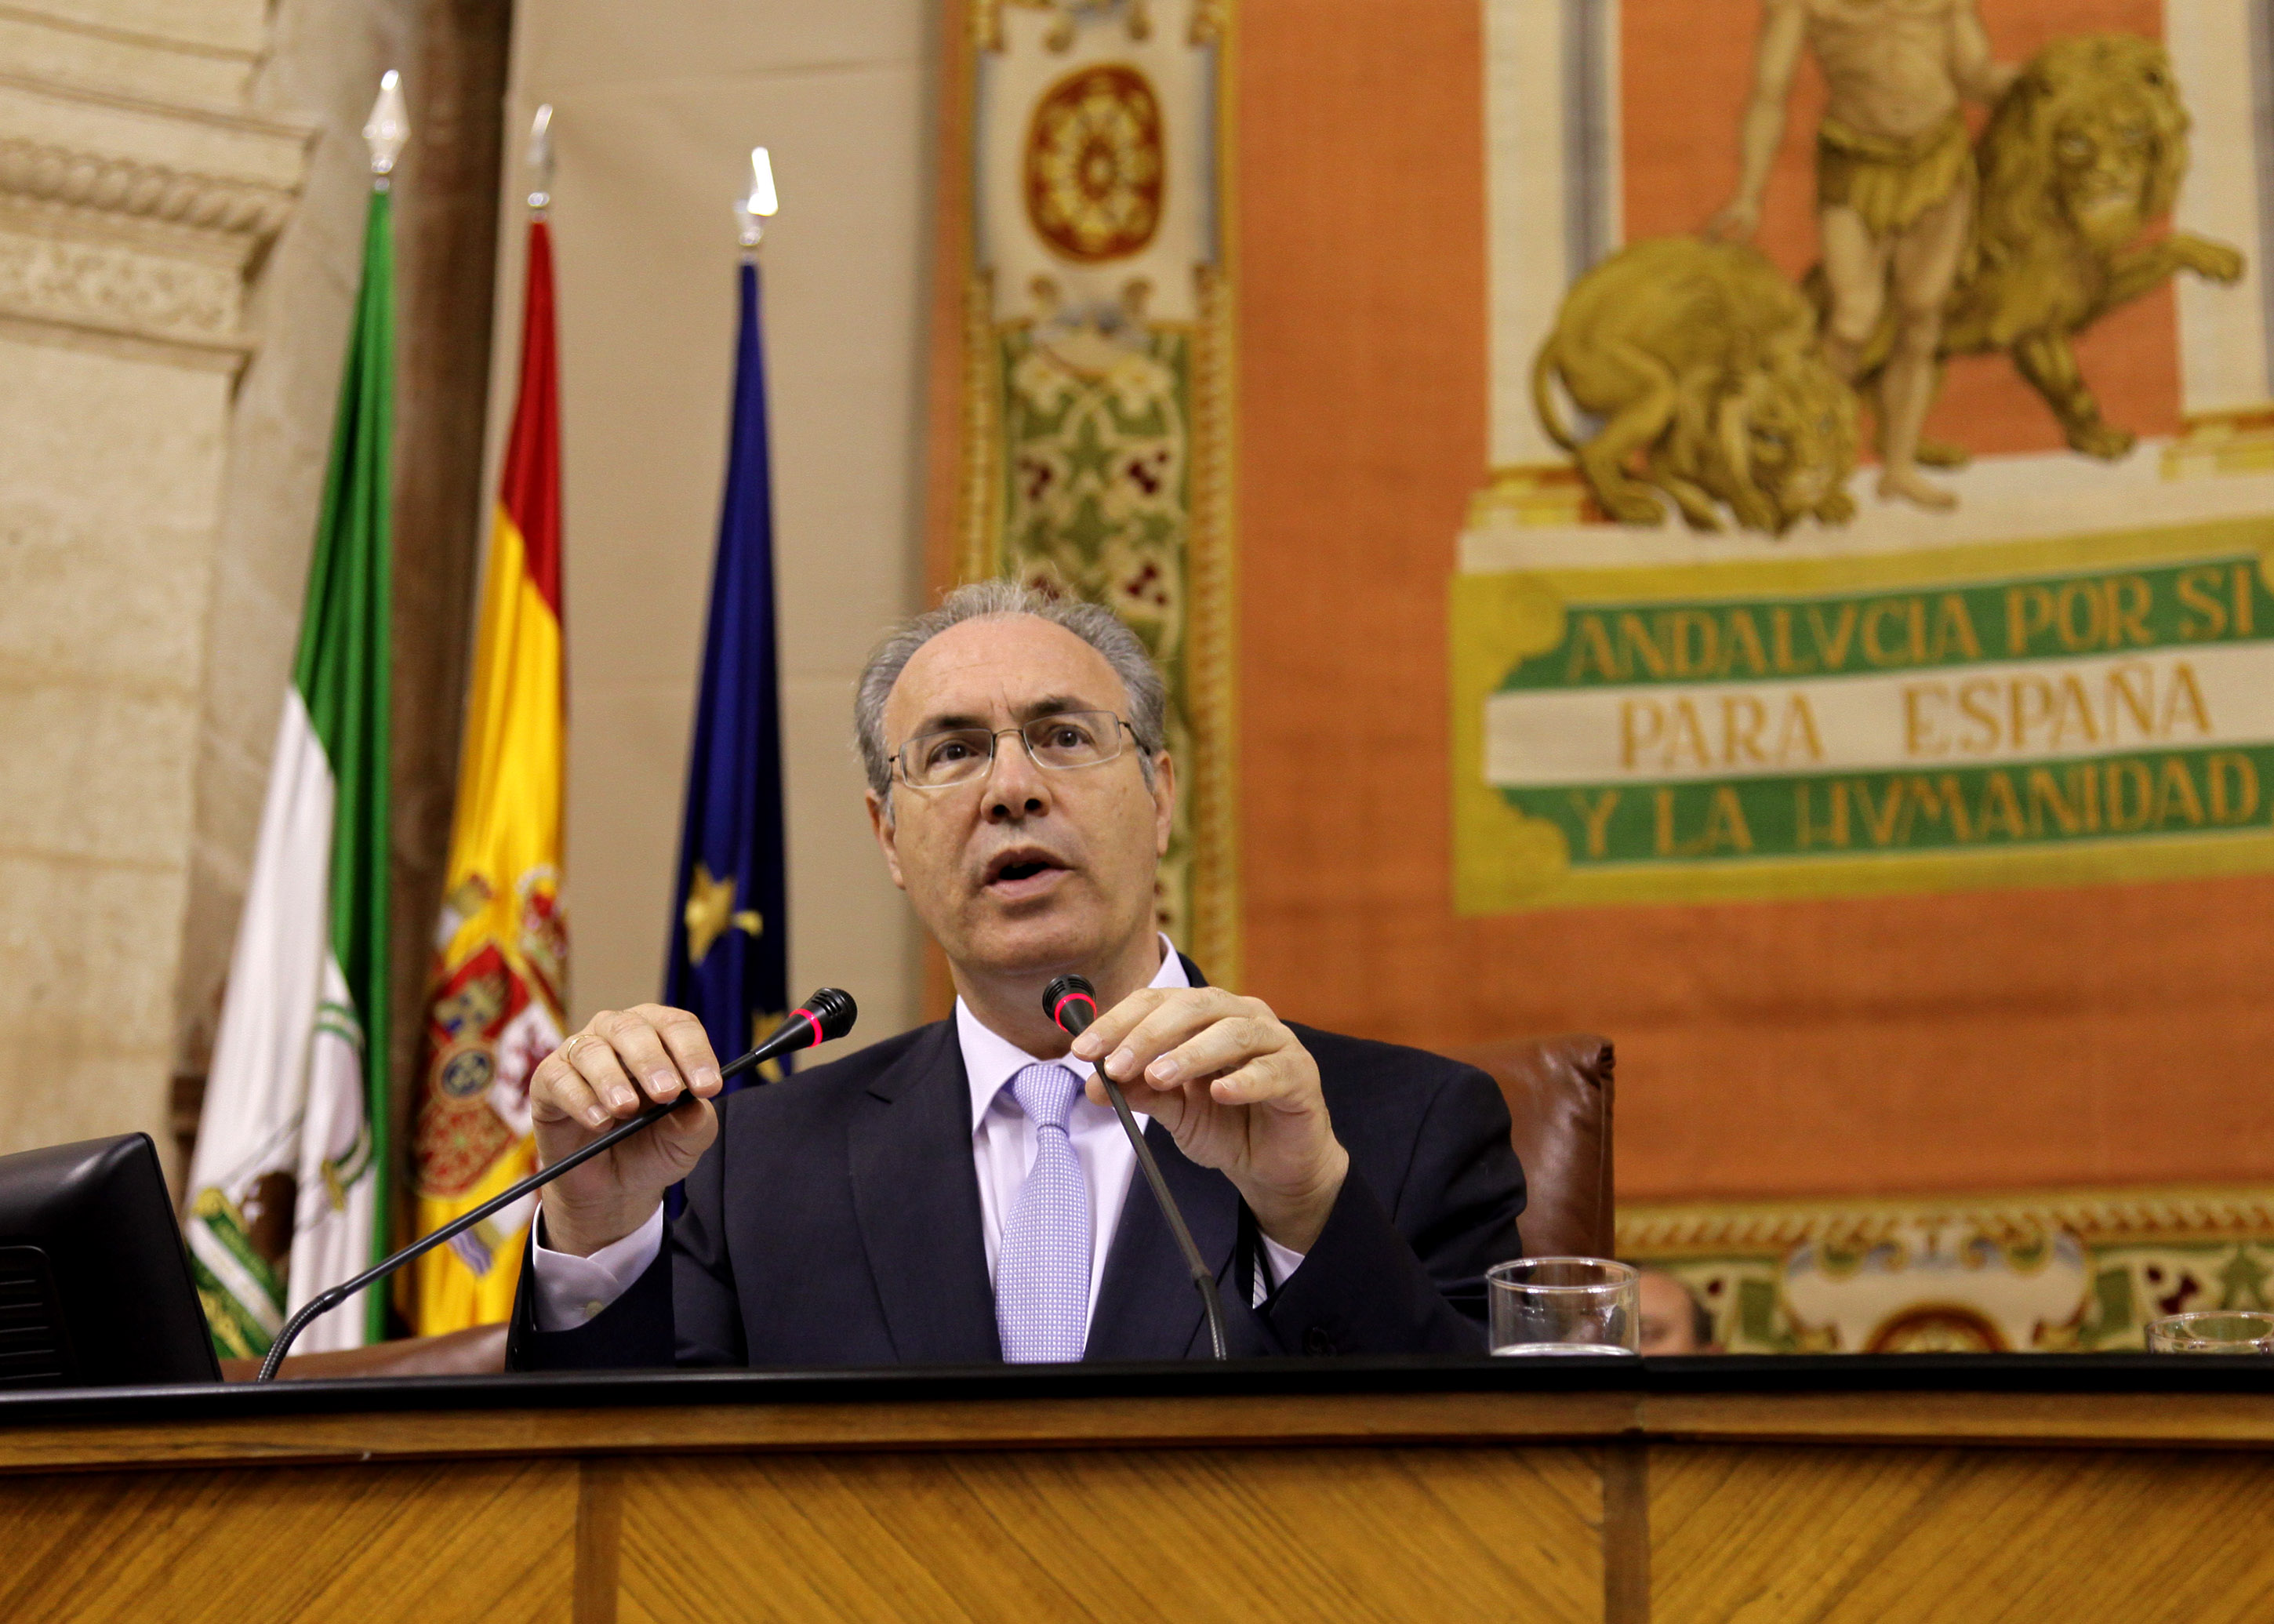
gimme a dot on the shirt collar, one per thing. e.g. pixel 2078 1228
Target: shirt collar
pixel 991 1061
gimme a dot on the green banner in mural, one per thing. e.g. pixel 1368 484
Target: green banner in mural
pixel 2050 711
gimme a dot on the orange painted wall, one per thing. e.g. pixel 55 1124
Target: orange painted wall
pixel 2122 1034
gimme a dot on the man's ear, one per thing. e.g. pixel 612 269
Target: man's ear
pixel 880 820
pixel 1164 803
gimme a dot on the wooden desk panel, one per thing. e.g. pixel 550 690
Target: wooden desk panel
pixel 1426 1535
pixel 1882 1490
pixel 1868 1536
pixel 432 1541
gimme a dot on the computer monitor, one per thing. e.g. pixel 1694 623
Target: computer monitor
pixel 95 1289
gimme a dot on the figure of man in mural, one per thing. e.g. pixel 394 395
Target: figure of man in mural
pixel 1894 183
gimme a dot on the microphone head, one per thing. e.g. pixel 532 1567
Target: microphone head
pixel 833 1013
pixel 1071 1002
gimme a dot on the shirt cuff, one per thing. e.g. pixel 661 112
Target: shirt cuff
pixel 572 1290
pixel 1278 1263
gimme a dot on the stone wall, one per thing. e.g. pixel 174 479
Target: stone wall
pixel 143 183
pixel 182 193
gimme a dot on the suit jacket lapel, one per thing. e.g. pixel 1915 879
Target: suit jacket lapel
pixel 915 1194
pixel 1146 1308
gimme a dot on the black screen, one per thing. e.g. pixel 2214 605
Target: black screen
pixel 95 1289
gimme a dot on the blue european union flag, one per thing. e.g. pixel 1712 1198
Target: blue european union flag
pixel 729 959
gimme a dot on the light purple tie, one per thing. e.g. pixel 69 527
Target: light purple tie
pixel 1042 1270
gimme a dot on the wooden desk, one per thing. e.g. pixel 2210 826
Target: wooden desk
pixel 2029 1488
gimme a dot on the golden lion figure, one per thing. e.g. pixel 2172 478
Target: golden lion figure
pixel 1702 362
pixel 2082 154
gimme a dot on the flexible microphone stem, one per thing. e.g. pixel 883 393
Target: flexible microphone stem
pixel 828 1014
pixel 1072 1003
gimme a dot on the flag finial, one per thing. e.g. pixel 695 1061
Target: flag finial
pixel 540 160
pixel 760 204
pixel 388 128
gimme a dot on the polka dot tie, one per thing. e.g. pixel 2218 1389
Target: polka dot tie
pixel 1041 1271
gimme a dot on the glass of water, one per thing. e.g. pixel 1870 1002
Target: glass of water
pixel 1556 1306
pixel 2212 1333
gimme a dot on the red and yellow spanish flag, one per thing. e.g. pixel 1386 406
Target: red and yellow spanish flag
pixel 493 1007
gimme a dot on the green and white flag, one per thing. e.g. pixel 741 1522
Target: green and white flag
pixel 290 1176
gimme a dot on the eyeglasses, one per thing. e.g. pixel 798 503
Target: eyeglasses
pixel 961 754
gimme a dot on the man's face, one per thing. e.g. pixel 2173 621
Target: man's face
pixel 1668 1314
pixel 1026 869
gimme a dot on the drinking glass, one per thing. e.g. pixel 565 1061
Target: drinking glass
pixel 2212 1333
pixel 1557 1305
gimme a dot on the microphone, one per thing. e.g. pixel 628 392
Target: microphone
pixel 1072 1003
pixel 829 1013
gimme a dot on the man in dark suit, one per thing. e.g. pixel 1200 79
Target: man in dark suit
pixel 961 1194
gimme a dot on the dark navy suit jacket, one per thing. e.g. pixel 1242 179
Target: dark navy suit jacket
pixel 836 1221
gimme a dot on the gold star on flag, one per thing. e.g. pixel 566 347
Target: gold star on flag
pixel 711 911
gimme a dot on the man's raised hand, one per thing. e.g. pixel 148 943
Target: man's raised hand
pixel 622 1061
pixel 1237 1089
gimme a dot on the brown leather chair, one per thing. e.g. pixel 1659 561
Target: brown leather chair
pixel 1559 1099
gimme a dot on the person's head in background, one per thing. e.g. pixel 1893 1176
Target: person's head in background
pixel 1673 1319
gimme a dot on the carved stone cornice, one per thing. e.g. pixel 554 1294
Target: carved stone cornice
pixel 113 288
pixel 126 217
pixel 111 184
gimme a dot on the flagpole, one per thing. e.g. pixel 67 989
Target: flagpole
pixel 388 131
pixel 540 164
pixel 758 204
pixel 727 958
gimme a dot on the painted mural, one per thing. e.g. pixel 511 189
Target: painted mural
pixel 1881 501
pixel 1893 482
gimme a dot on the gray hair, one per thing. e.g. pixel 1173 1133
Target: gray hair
pixel 987 600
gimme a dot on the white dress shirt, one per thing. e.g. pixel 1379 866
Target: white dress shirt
pixel 571 1289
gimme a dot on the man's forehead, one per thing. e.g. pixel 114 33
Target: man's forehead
pixel 1004 663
